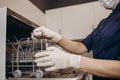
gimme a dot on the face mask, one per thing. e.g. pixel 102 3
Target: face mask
pixel 109 4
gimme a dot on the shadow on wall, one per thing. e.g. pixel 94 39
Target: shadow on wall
pixel 41 4
pixel 51 4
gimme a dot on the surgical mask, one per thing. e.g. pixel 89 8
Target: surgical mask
pixel 109 4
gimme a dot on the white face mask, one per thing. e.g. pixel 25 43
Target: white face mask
pixel 109 4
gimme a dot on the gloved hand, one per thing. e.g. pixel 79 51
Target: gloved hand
pixel 53 36
pixel 53 59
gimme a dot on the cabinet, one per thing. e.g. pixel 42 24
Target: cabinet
pixel 75 22
pixel 53 20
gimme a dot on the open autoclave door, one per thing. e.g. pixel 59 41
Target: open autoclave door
pixel 18 50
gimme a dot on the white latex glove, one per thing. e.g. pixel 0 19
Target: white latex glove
pixel 53 36
pixel 54 59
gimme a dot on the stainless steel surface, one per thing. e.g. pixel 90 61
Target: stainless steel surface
pixel 45 79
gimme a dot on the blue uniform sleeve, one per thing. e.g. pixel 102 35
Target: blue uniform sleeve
pixel 88 41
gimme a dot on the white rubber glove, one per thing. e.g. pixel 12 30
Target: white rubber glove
pixel 54 59
pixel 53 36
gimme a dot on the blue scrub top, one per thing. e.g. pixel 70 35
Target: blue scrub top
pixel 105 39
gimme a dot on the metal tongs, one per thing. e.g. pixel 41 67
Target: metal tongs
pixel 42 41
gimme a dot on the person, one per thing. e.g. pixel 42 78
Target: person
pixel 104 41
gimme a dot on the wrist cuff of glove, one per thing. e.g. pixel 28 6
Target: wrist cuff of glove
pixel 75 61
pixel 56 38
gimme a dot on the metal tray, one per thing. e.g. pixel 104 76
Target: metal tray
pixel 45 79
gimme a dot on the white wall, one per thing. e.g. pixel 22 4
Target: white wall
pixel 77 21
pixel 26 9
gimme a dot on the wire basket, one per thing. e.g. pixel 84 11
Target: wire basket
pixel 20 56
